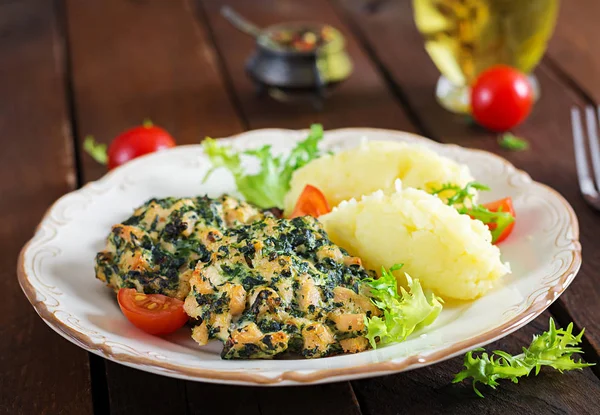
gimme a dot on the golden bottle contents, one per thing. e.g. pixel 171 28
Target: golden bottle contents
pixel 464 37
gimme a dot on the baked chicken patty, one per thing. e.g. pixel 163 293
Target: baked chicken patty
pixel 261 285
pixel 279 285
pixel 156 249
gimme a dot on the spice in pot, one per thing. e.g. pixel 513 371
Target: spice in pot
pixel 302 40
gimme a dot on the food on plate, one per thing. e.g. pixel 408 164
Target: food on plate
pixel 302 39
pixel 267 187
pixel 499 216
pixel 501 98
pixel 372 166
pixel 155 250
pixel 450 253
pixel 130 144
pixel 265 285
pixel 311 202
pixel 554 348
pixel 154 313
pixel 277 285
pixel 403 311
pixel 261 285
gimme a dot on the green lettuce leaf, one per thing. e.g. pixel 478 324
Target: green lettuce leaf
pixel 96 150
pixel 511 142
pixel 267 187
pixel 403 312
pixel 553 348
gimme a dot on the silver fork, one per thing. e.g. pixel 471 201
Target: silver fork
pixel 589 189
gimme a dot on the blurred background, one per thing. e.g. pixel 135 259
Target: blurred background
pixel 102 68
pixel 183 65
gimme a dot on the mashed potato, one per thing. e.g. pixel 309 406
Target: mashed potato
pixel 373 166
pixel 451 254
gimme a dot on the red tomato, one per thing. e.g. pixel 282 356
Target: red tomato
pixel 501 98
pixel 136 142
pixel 154 313
pixel 502 205
pixel 311 202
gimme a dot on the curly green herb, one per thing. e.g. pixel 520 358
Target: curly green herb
pixel 403 312
pixel 460 194
pixel 553 348
pixel 501 219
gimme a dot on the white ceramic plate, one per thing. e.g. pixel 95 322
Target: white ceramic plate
pixel 56 268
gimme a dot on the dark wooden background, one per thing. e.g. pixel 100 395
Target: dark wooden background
pixel 74 67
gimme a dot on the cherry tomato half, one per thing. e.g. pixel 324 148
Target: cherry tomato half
pixel 154 313
pixel 136 142
pixel 502 205
pixel 311 202
pixel 501 98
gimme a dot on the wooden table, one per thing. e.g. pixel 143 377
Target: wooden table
pixel 74 67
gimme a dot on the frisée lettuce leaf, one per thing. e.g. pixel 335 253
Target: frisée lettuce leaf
pixel 267 187
pixel 553 348
pixel 403 312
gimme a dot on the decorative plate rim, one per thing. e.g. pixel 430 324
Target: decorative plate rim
pixel 322 375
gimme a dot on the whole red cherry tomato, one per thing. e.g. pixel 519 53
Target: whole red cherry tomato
pixel 501 98
pixel 135 142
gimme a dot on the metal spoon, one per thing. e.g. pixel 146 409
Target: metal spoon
pixel 240 22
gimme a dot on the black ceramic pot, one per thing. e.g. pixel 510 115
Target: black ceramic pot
pixel 275 66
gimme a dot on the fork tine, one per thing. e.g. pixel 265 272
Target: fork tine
pixel 586 183
pixel 592 134
pixel 595 151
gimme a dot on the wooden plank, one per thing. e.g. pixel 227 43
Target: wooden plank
pixel 265 13
pixel 132 391
pixel 362 100
pixel 229 43
pixel 137 60
pixel 429 390
pixel 41 372
pixel 205 399
pixel 363 104
pixel 329 399
pixel 184 92
pixel 573 49
pixel 550 160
